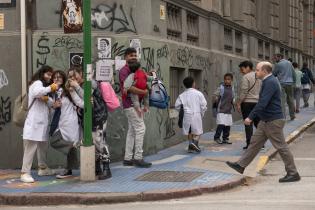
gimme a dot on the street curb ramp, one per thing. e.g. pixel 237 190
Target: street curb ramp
pixel 45 199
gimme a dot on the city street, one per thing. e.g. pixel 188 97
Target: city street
pixel 262 192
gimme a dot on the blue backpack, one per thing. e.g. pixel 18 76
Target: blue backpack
pixel 158 96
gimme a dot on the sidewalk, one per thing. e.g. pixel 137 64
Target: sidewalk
pixel 175 173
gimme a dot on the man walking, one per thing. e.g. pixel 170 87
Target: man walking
pixel 136 126
pixel 284 71
pixel 268 109
pixel 248 96
pixel 306 81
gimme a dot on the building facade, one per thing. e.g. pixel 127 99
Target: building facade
pixel 204 39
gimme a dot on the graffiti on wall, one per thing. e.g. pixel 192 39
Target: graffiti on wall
pixel 153 57
pixel 113 18
pixel 42 50
pixel 55 51
pixel 5 111
pixel 3 79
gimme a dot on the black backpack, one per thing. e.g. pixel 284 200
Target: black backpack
pixel 305 79
pixel 99 111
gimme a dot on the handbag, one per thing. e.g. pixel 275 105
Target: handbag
pixel 21 109
pixel 181 116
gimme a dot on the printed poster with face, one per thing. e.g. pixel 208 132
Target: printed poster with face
pixel 104 46
pixel 136 43
pixel 72 16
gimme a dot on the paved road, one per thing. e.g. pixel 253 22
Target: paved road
pixel 263 192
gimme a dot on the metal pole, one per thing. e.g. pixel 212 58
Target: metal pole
pixel 23 46
pixel 87 163
pixel 87 73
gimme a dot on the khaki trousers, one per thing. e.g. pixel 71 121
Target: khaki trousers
pixel 30 147
pixel 273 131
pixel 135 135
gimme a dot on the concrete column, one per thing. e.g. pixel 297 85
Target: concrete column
pixel 184 25
pixel 87 170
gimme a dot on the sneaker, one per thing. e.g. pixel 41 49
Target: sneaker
pixel 219 141
pixel 66 173
pixel 190 149
pixel 142 164
pixel 226 141
pixel 194 147
pixel 27 178
pixel 45 172
pixel 128 162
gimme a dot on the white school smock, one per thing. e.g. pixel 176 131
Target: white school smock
pixel 36 123
pixel 195 106
pixel 68 121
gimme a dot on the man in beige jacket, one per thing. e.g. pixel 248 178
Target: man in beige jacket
pixel 248 96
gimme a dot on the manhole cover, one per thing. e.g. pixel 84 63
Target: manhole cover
pixel 169 176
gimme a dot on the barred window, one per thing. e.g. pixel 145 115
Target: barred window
pixel 267 51
pixel 260 49
pixel 238 42
pixel 174 23
pixel 176 84
pixel 192 29
pixel 228 39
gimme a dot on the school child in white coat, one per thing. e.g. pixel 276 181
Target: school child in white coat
pixel 102 155
pixel 35 131
pixel 64 129
pixel 195 106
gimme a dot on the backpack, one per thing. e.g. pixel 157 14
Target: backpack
pixel 99 110
pixel 140 77
pixel 21 109
pixel 158 96
pixel 305 79
pixel 109 96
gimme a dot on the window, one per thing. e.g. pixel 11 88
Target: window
pixel 174 23
pixel 267 51
pixel 176 84
pixel 192 29
pixel 238 42
pixel 228 39
pixel 197 75
pixel 260 49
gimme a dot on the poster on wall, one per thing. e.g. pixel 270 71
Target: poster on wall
pixel 76 59
pixel 72 16
pixel 136 43
pixel 1 21
pixel 7 3
pixel 104 70
pixel 104 46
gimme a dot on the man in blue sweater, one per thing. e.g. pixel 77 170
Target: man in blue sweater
pixel 268 109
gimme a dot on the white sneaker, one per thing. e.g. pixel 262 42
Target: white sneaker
pixel 27 178
pixel 46 172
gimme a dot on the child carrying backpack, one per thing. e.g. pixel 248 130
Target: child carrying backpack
pixel 223 99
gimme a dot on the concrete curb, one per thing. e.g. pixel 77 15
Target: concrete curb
pixel 289 139
pixel 39 199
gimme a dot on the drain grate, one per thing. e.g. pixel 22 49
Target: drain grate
pixel 170 176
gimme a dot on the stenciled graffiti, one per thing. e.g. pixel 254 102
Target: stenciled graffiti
pixel 5 111
pixel 68 43
pixel 113 18
pixel 3 79
pixel 42 50
pixel 182 56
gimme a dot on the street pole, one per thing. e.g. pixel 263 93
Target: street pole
pixel 87 155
